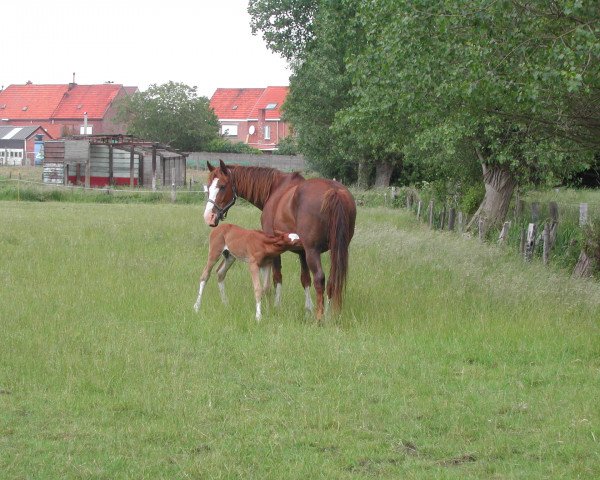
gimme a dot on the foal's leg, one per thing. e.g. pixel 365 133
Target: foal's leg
pixel 313 259
pixel 221 273
pixel 277 278
pixel 305 280
pixel 255 272
pixel 213 256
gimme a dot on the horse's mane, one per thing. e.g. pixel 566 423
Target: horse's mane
pixel 255 183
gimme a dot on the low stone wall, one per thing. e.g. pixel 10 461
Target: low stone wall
pixel 286 163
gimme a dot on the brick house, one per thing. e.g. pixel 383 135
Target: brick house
pixel 64 110
pixel 251 115
pixel 22 145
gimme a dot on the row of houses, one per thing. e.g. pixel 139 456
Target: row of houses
pixel 36 118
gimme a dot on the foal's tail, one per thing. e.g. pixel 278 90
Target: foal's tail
pixel 340 233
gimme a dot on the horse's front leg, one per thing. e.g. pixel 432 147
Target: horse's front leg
pixel 212 259
pixel 313 259
pixel 277 279
pixel 305 281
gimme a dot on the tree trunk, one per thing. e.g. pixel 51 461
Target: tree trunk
pixel 364 174
pixel 383 174
pixel 499 186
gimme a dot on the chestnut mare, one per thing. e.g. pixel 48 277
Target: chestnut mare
pixel 252 246
pixel 322 212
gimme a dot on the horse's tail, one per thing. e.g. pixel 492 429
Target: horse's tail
pixel 340 234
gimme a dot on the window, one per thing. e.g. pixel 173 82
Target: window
pixel 267 132
pixel 229 130
pixel 271 106
pixel 84 131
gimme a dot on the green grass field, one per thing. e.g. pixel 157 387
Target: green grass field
pixel 451 358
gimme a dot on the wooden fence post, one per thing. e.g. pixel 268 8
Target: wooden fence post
pixel 481 226
pixel 530 246
pixel 419 205
pixel 443 220
pixel 173 190
pixel 504 233
pixel 583 268
pixel 461 222
pixel 154 168
pixel 451 219
pixel 583 214
pixel 131 166
pixel 553 208
pixel 431 214
pixel 546 240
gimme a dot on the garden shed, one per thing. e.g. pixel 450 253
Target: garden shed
pixel 98 161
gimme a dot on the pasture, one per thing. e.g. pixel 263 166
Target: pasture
pixel 450 359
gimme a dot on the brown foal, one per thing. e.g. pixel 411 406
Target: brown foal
pixel 251 246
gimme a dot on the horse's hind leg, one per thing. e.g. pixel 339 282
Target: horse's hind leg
pixel 305 280
pixel 313 259
pixel 265 276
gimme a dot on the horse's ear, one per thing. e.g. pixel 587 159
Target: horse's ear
pixel 209 166
pixel 223 167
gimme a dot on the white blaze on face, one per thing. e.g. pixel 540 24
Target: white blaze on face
pixel 212 195
pixel 293 237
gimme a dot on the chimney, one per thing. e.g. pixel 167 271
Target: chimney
pixel 72 84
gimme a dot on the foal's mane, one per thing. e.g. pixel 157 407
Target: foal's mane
pixel 255 183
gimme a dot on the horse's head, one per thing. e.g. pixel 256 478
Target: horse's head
pixel 221 193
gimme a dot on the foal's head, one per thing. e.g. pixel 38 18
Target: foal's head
pixel 221 193
pixel 287 241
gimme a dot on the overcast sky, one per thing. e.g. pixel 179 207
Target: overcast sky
pixel 203 43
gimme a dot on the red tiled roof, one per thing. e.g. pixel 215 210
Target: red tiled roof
pixel 244 103
pixel 93 99
pixel 271 96
pixel 56 102
pixel 30 101
pixel 234 103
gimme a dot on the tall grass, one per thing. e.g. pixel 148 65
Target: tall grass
pixel 445 363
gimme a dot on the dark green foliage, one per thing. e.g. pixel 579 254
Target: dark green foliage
pixel 441 86
pixel 225 146
pixel 171 113
pixel 471 199
pixel 287 146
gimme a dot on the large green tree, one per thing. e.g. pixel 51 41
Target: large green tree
pixel 510 86
pixel 173 114
pixel 456 83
